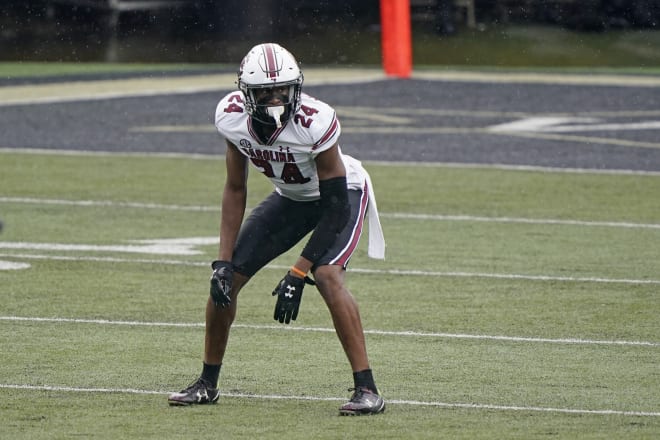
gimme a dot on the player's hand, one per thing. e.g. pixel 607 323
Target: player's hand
pixel 221 279
pixel 289 293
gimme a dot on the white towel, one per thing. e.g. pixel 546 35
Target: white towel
pixel 376 247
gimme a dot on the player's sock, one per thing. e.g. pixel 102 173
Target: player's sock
pixel 365 379
pixel 210 373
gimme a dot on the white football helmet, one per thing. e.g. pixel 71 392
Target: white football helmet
pixel 266 66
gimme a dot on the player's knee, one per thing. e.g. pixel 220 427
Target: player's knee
pixel 329 280
pixel 238 282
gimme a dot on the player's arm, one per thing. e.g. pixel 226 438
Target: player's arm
pixel 334 203
pixel 233 200
pixel 336 211
pixel 233 209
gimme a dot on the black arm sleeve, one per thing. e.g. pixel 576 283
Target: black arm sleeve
pixel 336 211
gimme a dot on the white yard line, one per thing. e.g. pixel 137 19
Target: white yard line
pixel 504 276
pixel 106 203
pixel 536 221
pixel 458 165
pixel 440 335
pixel 394 215
pixel 475 406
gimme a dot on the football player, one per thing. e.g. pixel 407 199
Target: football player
pixel 292 139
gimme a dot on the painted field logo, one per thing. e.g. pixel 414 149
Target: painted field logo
pixel 10 265
pixel 168 246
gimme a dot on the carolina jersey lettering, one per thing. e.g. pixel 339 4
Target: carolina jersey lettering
pixel 287 157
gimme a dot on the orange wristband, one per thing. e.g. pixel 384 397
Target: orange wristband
pixel 298 272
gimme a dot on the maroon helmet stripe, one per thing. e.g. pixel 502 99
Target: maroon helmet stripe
pixel 271 63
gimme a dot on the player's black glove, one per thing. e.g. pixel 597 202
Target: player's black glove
pixel 221 279
pixel 289 293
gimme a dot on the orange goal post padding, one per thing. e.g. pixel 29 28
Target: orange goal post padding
pixel 396 40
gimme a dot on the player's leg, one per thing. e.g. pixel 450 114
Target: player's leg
pixel 348 325
pixel 272 228
pixel 218 324
pixel 330 275
pixel 344 312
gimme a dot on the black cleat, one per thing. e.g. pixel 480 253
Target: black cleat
pixel 363 402
pixel 199 392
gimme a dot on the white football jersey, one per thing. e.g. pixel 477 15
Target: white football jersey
pixel 287 159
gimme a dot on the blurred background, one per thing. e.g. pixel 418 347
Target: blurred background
pixel 445 32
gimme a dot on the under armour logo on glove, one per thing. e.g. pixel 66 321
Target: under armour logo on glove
pixel 289 293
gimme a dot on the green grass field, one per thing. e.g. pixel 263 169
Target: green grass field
pixel 513 304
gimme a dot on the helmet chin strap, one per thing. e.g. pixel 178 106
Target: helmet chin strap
pixel 275 113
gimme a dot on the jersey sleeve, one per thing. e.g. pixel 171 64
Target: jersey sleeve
pixel 324 128
pixel 227 111
pixel 329 137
